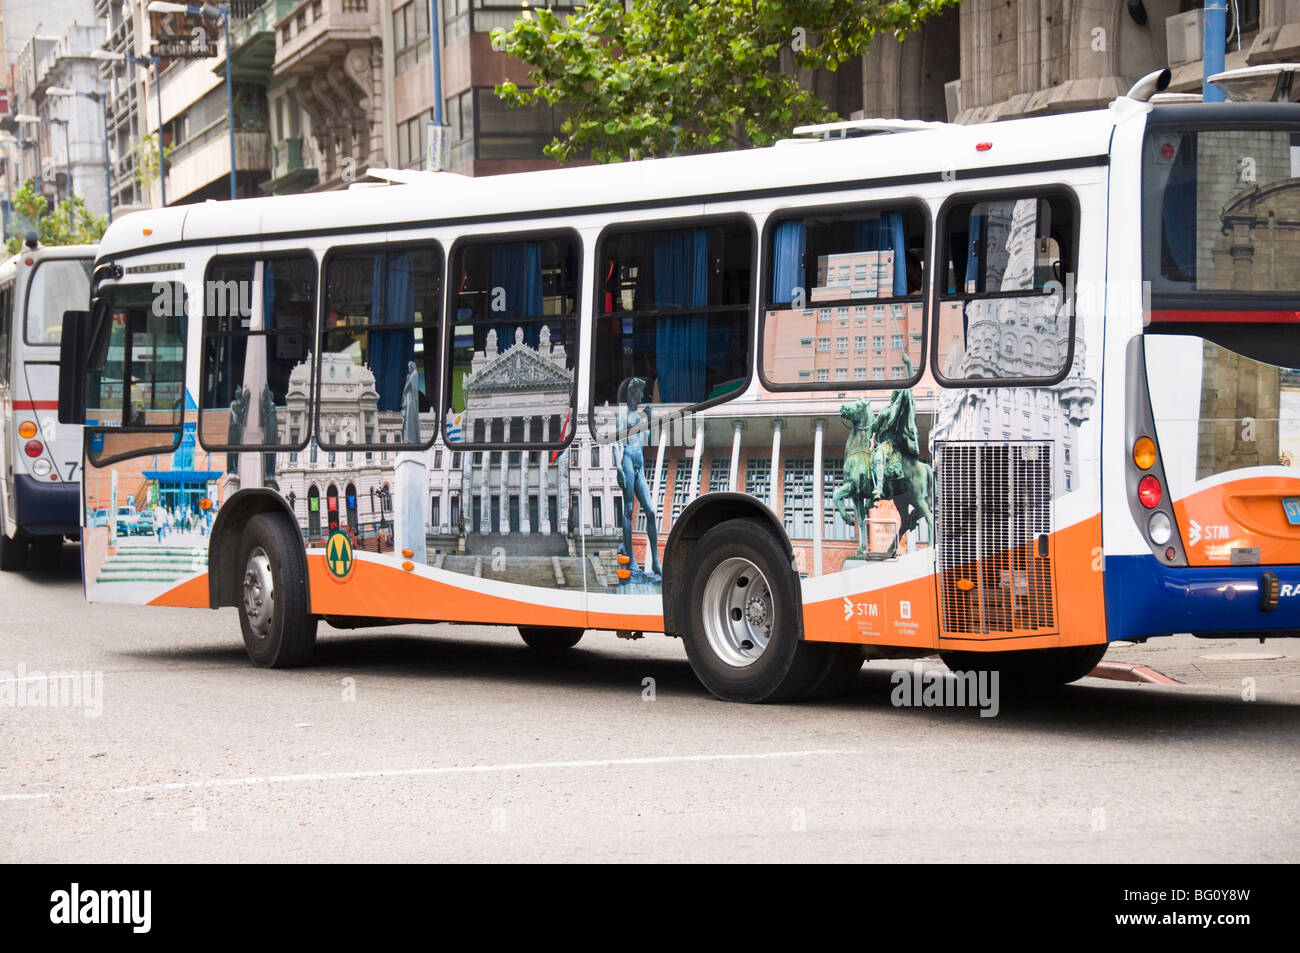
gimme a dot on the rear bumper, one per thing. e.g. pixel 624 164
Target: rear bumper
pixel 47 509
pixel 1144 598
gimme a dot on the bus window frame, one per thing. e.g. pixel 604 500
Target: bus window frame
pixel 449 334
pixel 203 351
pixel 667 225
pixel 1245 117
pixel 939 298
pixel 791 213
pixel 27 295
pixel 429 243
pixel 178 430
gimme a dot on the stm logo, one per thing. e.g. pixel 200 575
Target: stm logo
pixel 851 609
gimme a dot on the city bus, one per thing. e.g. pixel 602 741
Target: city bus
pixel 1006 393
pixel 40 458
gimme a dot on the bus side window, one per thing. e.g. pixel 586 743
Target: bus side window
pixel 1003 312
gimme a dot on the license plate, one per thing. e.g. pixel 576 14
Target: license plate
pixel 1292 507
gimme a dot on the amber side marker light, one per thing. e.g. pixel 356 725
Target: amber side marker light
pixel 1144 453
pixel 965 585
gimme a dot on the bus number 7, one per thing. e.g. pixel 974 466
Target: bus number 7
pixel 72 470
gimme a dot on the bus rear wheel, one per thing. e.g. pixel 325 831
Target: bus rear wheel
pixel 278 630
pixel 1030 669
pixel 13 551
pixel 549 640
pixel 743 633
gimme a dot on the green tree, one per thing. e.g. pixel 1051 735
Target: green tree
pixel 147 163
pixel 659 77
pixel 70 223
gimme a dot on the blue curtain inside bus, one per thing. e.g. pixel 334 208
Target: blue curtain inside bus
pixel 886 233
pixel 681 280
pixel 788 246
pixel 390 351
pixel 517 270
pixel 268 297
pixel 1178 216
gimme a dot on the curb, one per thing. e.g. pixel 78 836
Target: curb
pixel 1124 672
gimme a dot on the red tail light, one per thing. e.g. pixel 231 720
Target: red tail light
pixel 1149 492
pixel 33 448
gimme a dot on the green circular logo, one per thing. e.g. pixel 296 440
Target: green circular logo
pixel 338 554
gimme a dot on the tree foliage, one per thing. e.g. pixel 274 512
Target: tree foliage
pixel 70 222
pixel 660 77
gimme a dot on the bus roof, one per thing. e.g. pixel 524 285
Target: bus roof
pixel 45 252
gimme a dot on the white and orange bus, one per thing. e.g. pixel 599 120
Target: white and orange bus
pixel 1003 392
pixel 40 458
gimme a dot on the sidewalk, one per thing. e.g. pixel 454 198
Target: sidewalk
pixel 1217 663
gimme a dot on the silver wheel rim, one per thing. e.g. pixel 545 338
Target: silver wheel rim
pixel 738 612
pixel 259 593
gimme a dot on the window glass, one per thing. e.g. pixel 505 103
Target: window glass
pixel 6 322
pixel 56 287
pixel 135 371
pixel 379 348
pixel 514 346
pixel 829 262
pixel 257 338
pixel 673 315
pixel 1006 312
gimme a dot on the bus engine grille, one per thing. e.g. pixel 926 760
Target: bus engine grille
pixel 994 539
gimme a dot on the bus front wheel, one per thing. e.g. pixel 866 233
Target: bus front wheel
pixel 743 634
pixel 278 630
pixel 1031 668
pixel 549 640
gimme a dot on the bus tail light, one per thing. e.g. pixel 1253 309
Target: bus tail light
pixel 1144 453
pixel 33 448
pixel 27 430
pixel 1149 492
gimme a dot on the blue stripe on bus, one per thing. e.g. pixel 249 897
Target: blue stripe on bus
pixel 1144 598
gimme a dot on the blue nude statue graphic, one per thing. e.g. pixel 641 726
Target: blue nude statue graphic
pixel 629 462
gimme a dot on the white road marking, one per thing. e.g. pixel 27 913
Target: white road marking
pixel 453 769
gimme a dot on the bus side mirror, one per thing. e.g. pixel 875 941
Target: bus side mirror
pixel 72 359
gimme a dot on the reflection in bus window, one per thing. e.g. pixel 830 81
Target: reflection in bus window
pixel 515 348
pixel 379 349
pixel 829 263
pixel 1006 310
pixel 257 333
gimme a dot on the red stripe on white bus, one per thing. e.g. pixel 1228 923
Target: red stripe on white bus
pixel 1226 317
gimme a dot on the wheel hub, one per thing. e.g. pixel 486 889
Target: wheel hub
pixel 259 593
pixel 737 612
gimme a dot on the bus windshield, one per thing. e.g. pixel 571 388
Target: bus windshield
pixel 1221 212
pixel 57 286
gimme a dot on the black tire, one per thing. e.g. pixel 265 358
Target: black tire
pixel 283 634
pixel 13 552
pixel 786 666
pixel 550 640
pixel 841 663
pixel 46 552
pixel 1032 669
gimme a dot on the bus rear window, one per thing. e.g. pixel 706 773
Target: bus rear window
pixel 1221 210
pixel 56 287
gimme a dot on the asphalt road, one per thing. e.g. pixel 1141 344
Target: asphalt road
pixel 458 743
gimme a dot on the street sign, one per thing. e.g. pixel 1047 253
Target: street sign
pixel 182 36
pixel 437 156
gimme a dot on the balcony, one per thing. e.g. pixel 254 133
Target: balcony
pixel 293 168
pixel 205 158
pixel 253 40
pixel 315 31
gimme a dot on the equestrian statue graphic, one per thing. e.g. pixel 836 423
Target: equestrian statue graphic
pixel 882 462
